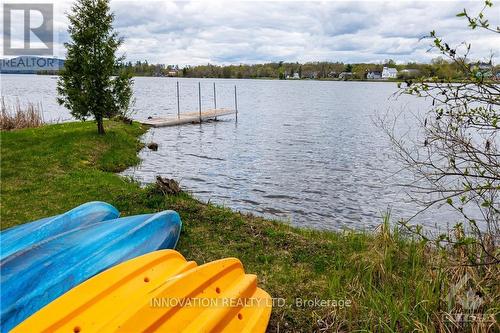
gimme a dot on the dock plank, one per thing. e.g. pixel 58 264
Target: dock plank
pixel 187 118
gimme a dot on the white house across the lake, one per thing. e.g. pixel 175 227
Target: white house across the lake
pixel 295 76
pixel 389 73
pixel 374 75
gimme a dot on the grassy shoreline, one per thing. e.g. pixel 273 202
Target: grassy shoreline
pixel 389 281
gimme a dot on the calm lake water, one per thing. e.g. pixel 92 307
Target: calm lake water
pixel 306 152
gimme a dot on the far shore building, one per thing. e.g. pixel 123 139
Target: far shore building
pixel 333 74
pixel 346 75
pixel 173 73
pixel 485 66
pixel 374 75
pixel 389 73
pixel 310 75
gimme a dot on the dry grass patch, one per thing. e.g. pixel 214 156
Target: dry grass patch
pixel 16 117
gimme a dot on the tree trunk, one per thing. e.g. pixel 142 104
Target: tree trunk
pixel 100 126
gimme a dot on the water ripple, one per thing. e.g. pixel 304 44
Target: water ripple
pixel 306 152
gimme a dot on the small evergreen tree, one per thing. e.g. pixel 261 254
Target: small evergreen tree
pixel 93 82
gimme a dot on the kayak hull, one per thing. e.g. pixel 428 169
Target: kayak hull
pixel 159 292
pixel 34 277
pixel 23 236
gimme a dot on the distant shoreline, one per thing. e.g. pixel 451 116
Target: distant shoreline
pixel 266 78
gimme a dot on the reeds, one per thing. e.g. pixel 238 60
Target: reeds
pixel 439 289
pixel 15 116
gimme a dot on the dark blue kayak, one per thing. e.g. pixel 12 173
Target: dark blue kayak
pixel 34 277
pixel 23 236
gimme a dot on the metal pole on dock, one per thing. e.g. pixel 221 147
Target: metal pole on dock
pixel 199 98
pixel 235 103
pixel 215 98
pixel 178 103
pixel 215 103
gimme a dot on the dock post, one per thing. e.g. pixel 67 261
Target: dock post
pixel 235 103
pixel 199 99
pixel 215 103
pixel 215 98
pixel 178 103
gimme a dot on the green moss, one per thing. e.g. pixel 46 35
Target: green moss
pixel 389 281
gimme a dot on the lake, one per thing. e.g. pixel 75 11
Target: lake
pixel 305 152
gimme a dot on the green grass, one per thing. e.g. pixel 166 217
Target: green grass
pixel 387 278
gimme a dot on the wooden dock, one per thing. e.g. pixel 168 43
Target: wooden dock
pixel 188 118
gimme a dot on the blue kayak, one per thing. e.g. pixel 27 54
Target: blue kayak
pixel 23 236
pixel 34 277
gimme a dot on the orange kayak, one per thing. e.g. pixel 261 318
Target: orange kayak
pixel 159 292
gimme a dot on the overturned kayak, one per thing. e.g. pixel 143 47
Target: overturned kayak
pixel 34 277
pixel 23 236
pixel 159 292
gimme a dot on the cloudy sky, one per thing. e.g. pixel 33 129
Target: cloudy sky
pixel 232 32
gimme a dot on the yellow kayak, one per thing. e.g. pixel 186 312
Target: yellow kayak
pixel 159 292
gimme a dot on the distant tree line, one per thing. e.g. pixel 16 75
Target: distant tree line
pixel 144 68
pixel 437 68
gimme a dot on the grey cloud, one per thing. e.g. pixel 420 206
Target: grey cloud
pixel 192 32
